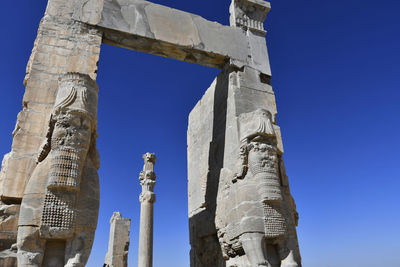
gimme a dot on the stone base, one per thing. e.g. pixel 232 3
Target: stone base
pixel 8 258
pixel 9 215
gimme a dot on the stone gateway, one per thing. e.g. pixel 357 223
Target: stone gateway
pixel 241 211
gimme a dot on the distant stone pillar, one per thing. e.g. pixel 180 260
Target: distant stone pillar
pixel 118 245
pixel 147 198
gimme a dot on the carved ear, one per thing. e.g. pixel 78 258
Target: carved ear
pixel 241 164
pixel 240 172
pixel 46 146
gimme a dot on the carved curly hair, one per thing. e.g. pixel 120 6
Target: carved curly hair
pixel 46 146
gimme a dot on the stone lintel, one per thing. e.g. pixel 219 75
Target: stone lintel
pixel 163 31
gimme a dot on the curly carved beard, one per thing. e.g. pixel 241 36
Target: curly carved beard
pixel 265 171
pixel 66 165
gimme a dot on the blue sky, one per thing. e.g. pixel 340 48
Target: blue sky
pixel 335 68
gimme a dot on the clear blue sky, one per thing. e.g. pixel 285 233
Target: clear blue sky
pixel 336 76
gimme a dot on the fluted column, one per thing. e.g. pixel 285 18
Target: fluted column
pixel 147 198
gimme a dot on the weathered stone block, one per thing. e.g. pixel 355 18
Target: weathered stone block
pixel 206 137
pixel 118 246
pixel 172 26
pixel 62 45
pixel 156 29
pixel 8 225
pixel 14 178
pixel 32 120
pixel 8 258
pixel 200 120
pixel 26 143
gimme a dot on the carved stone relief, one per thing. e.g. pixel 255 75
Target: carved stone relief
pixel 255 212
pixel 249 14
pixel 239 216
pixel 61 199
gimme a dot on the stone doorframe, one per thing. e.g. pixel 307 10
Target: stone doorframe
pixel 69 40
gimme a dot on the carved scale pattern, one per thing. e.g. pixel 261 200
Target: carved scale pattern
pixel 274 222
pixel 58 212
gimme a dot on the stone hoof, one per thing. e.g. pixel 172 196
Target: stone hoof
pixel 75 265
pixel 290 264
pixel 263 263
pixel 14 247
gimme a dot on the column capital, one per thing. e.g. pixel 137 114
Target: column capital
pixel 249 14
pixel 147 197
pixel 147 178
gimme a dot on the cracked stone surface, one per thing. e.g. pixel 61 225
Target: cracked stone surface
pixel 160 30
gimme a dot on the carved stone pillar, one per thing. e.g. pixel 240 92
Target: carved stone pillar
pixel 118 245
pixel 59 209
pixel 62 45
pixel 147 198
pixel 241 211
pixel 250 15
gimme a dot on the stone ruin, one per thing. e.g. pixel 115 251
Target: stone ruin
pixel 241 212
pixel 118 246
pixel 59 208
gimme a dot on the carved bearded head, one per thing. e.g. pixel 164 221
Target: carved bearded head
pixel 262 155
pixel 259 153
pixel 258 139
pixel 72 130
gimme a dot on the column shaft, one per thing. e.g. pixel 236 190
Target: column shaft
pixel 146 235
pixel 147 198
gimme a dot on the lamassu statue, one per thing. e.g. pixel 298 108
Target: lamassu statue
pixel 256 214
pixel 60 205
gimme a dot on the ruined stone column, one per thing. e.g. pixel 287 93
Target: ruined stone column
pixel 118 246
pixel 241 210
pixel 59 209
pixel 63 45
pixel 147 198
